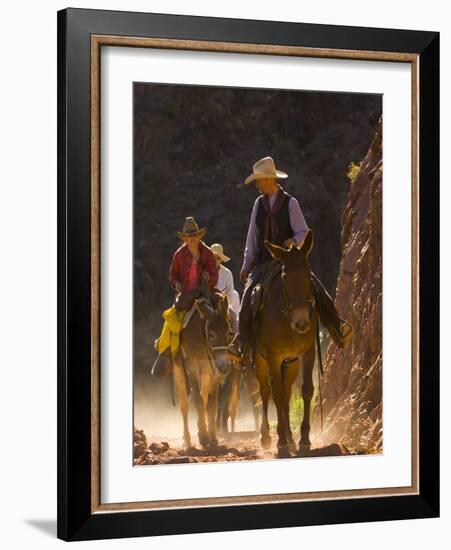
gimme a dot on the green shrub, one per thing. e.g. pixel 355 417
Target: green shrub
pixel 297 407
pixel 353 171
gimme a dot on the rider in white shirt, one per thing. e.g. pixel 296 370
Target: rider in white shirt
pixel 225 284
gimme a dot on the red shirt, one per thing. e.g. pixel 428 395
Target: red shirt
pixel 194 277
pixel 181 266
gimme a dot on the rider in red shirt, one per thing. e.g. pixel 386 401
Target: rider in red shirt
pixel 190 263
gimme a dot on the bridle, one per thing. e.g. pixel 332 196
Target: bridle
pixel 288 304
pixel 211 350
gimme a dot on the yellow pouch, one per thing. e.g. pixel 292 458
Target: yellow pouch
pixel 172 327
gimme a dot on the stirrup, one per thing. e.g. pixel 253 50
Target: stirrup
pixel 234 349
pixel 233 353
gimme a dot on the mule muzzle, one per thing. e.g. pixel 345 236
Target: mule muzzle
pixel 221 359
pixel 299 327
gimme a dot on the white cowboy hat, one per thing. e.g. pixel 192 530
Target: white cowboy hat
pixel 265 168
pixel 218 250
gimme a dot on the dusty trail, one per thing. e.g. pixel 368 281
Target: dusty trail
pixel 238 446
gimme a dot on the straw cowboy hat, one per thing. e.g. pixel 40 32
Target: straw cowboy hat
pixel 191 229
pixel 265 168
pixel 219 251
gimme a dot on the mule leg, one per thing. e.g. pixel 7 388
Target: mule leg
pixel 262 373
pixel 307 394
pixel 289 376
pixel 234 396
pixel 254 395
pixel 223 406
pixel 212 408
pixel 280 401
pixel 181 390
pixel 201 401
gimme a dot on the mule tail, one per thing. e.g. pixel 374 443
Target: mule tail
pixel 320 372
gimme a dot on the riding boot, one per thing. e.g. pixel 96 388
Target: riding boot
pixel 240 353
pixel 239 348
pixel 163 364
pixel 235 349
pixel 239 343
pixel 339 330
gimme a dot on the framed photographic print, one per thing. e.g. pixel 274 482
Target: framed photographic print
pixel 248 274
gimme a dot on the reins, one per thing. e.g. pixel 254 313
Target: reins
pixel 320 371
pixel 211 350
pixel 286 310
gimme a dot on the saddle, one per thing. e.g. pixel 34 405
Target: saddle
pixel 188 315
pixel 258 298
pixel 260 290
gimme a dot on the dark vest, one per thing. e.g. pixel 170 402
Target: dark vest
pixel 283 222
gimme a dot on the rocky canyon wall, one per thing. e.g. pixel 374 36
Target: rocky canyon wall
pixel 352 380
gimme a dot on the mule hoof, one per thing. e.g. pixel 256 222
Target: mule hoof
pixel 304 449
pixel 187 443
pixel 266 441
pixel 204 440
pixel 283 451
pixel 213 444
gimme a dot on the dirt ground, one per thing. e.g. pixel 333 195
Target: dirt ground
pixel 238 446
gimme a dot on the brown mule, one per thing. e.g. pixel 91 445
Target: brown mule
pixel 203 344
pixel 286 330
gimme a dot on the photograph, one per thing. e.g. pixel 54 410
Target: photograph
pixel 257 274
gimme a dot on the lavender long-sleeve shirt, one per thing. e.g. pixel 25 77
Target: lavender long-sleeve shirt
pixel 297 222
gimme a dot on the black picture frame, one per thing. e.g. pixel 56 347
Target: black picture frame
pixel 76 520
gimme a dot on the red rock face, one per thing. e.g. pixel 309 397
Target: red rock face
pixel 352 381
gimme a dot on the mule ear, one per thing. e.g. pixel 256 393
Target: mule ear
pixel 307 243
pixel 204 308
pixel 275 250
pixel 224 304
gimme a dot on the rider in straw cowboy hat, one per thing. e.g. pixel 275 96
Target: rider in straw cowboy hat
pixel 276 217
pixel 192 264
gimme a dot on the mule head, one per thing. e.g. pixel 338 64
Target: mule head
pixel 299 301
pixel 221 310
pixel 218 331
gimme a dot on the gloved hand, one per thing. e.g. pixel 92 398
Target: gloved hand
pixel 289 242
pixel 244 275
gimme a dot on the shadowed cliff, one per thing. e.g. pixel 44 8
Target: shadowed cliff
pixel 352 382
